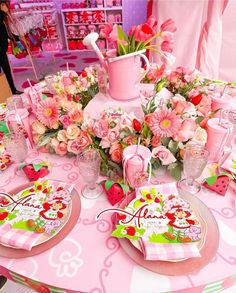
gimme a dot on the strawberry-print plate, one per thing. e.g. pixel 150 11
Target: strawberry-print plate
pixel 43 207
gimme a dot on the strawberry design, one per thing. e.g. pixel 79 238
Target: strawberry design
pixel 115 191
pixel 3 215
pixel 219 183
pixel 130 230
pixel 35 171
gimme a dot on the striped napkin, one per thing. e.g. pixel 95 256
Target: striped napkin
pixel 17 238
pixel 166 251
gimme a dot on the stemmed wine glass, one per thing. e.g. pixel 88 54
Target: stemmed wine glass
pixel 89 167
pixel 195 160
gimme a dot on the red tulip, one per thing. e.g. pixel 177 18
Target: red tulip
pixel 137 125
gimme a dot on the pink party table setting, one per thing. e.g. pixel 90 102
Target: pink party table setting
pixel 121 178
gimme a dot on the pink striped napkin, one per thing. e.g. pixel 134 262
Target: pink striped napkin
pixel 18 238
pixel 166 251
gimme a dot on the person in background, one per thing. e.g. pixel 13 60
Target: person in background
pixel 4 36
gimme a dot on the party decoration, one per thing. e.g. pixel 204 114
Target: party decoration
pixel 158 218
pixel 35 171
pixel 115 191
pixel 43 207
pixel 217 182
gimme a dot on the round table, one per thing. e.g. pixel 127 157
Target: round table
pixel 90 260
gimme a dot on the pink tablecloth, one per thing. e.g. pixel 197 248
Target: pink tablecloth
pixel 90 260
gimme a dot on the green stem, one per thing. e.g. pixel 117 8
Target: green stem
pixel 152 38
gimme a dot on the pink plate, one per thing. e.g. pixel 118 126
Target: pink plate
pixel 9 252
pixel 186 266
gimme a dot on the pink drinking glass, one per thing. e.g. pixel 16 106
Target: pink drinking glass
pixel 89 167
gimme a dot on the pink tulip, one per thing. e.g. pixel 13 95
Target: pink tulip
pixel 168 25
pixel 152 22
pixel 167 46
pixel 167 36
pixel 167 58
pixel 109 32
pixel 143 32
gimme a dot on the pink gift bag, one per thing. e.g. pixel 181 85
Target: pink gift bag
pixel 136 160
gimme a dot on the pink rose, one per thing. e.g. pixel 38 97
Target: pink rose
pixel 164 155
pixel 204 107
pixel 155 141
pixel 131 139
pixel 54 142
pixel 113 134
pixel 186 130
pixel 200 136
pixel 80 143
pixel 61 136
pixel 65 120
pixel 76 115
pixel 72 131
pixel 38 127
pixel 66 81
pixel 61 149
pixel 116 151
pixel 100 128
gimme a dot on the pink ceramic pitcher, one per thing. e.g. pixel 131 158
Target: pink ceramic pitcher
pixel 124 72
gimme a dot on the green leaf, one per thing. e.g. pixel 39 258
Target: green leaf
pixel 199 120
pixel 176 171
pixel 161 83
pixel 37 167
pixel 137 203
pixel 3 127
pixel 173 147
pixel 165 141
pixel 108 184
pixel 44 97
pixel 24 193
pixel 22 166
pixel 211 180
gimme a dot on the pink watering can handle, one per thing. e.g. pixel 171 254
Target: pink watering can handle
pixel 147 68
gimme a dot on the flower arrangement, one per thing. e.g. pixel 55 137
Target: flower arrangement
pixel 169 122
pixel 141 36
pixel 79 88
pixel 168 125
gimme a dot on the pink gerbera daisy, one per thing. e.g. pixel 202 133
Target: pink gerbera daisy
pixel 47 113
pixel 164 123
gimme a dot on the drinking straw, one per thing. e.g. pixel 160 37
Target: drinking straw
pixel 67 66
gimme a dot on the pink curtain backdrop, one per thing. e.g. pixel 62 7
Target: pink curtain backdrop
pixel 205 38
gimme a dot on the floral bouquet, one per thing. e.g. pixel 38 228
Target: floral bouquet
pixel 141 36
pixel 170 124
pixel 76 87
pixel 112 132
